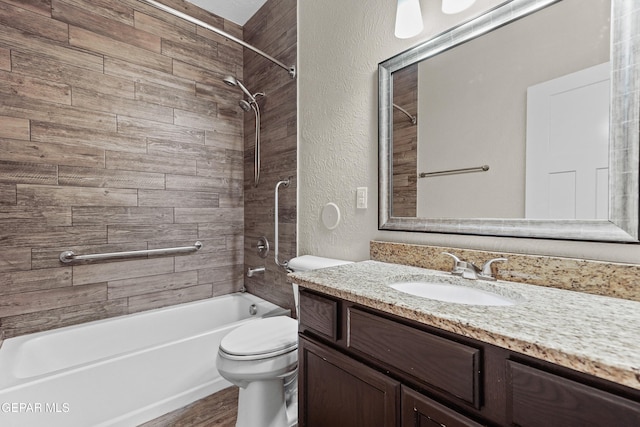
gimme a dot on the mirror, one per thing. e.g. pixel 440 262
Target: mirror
pixel 484 182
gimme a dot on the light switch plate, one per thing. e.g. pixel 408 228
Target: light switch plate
pixel 361 198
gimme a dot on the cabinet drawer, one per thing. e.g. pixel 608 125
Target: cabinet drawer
pixel 447 365
pixel 539 398
pixel 319 314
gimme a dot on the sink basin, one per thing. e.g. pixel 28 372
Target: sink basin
pixel 452 293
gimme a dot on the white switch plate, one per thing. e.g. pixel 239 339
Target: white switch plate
pixel 361 198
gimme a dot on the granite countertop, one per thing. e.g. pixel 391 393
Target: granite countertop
pixel 593 334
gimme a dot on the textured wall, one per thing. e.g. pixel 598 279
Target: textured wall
pixel 273 30
pixel 116 133
pixel 340 45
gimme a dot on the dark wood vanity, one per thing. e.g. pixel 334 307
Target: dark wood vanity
pixel 362 367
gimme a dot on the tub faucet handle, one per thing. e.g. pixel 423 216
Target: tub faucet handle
pixel 487 273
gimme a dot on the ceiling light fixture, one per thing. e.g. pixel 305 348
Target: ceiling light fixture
pixel 408 19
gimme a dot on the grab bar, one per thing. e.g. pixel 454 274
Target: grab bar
pixel 275 249
pixel 483 168
pixel 70 256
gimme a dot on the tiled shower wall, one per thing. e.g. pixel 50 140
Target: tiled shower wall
pixel 273 30
pixel 405 142
pixel 116 134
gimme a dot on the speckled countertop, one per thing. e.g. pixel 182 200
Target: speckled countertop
pixel 589 333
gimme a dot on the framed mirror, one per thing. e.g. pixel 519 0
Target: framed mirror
pixel 463 148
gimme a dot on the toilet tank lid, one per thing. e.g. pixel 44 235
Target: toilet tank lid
pixel 312 262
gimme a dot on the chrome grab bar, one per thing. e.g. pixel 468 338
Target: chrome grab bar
pixel 275 250
pixel 70 256
pixel 482 168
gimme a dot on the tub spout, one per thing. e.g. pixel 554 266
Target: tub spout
pixel 252 271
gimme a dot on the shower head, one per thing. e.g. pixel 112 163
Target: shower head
pixel 232 81
pixel 244 105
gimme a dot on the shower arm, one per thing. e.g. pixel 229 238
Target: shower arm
pixel 276 232
pixel 291 70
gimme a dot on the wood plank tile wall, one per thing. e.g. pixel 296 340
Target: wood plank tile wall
pixel 274 30
pixel 405 142
pixel 116 133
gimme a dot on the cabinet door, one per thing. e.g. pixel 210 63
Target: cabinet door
pixel 335 390
pixel 420 411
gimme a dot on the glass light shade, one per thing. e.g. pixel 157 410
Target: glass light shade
pixel 408 19
pixel 455 6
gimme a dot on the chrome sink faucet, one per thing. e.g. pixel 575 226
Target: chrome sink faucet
pixel 469 270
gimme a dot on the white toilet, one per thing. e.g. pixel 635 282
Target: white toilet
pixel 262 356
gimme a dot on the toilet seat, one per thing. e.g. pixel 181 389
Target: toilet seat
pixel 261 339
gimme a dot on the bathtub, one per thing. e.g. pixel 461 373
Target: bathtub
pixel 121 371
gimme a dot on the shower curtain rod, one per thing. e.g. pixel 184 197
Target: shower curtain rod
pixel 291 70
pixel 412 119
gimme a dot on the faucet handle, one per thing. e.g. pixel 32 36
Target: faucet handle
pixel 458 264
pixel 455 258
pixel 468 270
pixel 486 273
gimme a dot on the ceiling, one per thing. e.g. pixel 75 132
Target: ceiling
pixel 238 11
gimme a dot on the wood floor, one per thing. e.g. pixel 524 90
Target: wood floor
pixel 219 409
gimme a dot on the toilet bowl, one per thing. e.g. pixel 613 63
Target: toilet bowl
pixel 257 358
pixel 261 357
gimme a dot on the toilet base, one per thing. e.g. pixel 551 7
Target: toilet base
pixel 262 403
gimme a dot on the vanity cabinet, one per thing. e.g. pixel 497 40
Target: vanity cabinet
pixel 362 367
pixel 340 391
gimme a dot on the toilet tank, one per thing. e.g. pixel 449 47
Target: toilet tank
pixel 308 263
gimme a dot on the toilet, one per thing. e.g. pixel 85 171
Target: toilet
pixel 261 357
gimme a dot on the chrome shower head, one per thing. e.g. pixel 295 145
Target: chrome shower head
pixel 232 81
pixel 244 105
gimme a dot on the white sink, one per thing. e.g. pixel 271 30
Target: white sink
pixel 452 293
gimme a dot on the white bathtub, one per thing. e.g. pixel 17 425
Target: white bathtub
pixel 121 371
